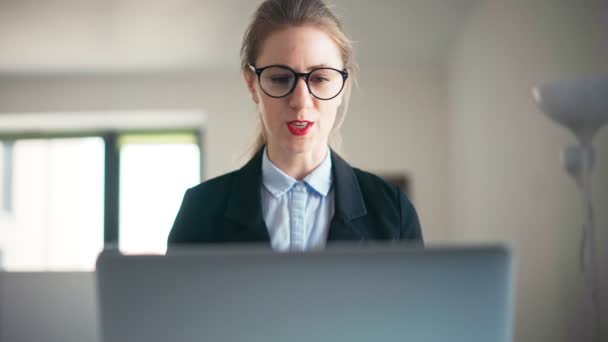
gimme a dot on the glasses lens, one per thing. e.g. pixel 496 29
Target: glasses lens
pixel 325 83
pixel 277 81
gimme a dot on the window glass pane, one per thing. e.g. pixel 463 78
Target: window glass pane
pixel 155 171
pixel 3 199
pixel 56 219
pixel 3 174
pixel 6 175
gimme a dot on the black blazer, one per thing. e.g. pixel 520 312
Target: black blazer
pixel 228 208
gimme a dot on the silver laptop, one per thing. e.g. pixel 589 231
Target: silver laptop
pixel 347 293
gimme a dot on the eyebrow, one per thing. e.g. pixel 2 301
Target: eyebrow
pixel 319 66
pixel 316 66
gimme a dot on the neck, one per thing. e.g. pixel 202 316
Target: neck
pixel 297 165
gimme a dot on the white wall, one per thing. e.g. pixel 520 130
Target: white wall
pixel 506 179
pixel 396 121
pixel 219 93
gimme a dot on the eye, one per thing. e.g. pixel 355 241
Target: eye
pixel 322 77
pixel 280 79
pixel 319 79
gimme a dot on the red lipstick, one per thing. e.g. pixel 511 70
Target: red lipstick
pixel 299 127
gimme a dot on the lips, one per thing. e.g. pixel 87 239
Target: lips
pixel 299 127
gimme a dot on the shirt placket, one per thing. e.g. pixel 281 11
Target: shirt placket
pixel 298 203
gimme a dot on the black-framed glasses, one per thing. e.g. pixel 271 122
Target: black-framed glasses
pixel 279 81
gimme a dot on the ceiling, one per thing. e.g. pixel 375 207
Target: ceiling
pixel 110 35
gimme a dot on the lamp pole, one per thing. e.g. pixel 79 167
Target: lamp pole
pixel 588 251
pixel 581 105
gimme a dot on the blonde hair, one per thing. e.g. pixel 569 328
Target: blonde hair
pixel 274 15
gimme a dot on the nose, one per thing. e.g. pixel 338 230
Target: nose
pixel 300 97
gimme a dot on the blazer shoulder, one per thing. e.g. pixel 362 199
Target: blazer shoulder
pixel 214 184
pixel 201 208
pixel 393 204
pixel 213 192
pixel 371 183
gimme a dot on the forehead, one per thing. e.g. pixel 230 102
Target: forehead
pixel 300 47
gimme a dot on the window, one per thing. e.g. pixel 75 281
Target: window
pixel 155 171
pixel 54 219
pixel 67 195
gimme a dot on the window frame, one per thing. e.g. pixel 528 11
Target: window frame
pixel 180 122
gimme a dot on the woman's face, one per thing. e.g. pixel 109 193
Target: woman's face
pixel 299 122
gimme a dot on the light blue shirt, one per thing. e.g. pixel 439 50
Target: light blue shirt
pixel 297 213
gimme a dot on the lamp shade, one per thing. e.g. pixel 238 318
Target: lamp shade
pixel 581 105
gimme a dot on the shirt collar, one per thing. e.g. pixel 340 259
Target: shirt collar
pixel 278 182
pixel 321 178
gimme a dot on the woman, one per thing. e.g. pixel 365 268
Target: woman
pixel 296 192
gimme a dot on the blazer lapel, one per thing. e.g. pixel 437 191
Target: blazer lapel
pixel 244 204
pixel 349 203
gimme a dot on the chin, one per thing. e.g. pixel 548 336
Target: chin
pixel 296 146
pixel 299 148
pixel 299 145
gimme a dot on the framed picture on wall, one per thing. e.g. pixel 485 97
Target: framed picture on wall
pixel 401 180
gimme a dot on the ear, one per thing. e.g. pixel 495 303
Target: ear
pixel 250 80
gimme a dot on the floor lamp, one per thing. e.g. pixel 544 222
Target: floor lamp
pixel 580 105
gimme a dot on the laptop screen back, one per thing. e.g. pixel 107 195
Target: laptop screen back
pixel 349 294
